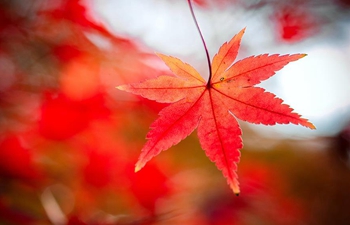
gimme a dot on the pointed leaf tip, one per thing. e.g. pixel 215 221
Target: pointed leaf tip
pixel 235 188
pixel 312 126
pixel 160 55
pixel 308 125
pixel 138 166
pixel 121 87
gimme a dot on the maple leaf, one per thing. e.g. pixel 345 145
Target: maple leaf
pixel 213 106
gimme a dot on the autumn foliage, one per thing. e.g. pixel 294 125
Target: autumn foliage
pixel 69 140
pixel 211 106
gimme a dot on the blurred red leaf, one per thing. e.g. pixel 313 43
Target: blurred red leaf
pixel 66 52
pixel 149 185
pixel 213 3
pixel 99 170
pixel 295 23
pixel 16 161
pixel 76 12
pixel 62 117
pixel 202 3
pixel 75 220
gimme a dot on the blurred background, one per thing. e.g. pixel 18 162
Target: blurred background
pixel 69 139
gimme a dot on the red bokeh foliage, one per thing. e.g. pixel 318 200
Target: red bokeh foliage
pixel 76 12
pixel 16 160
pixel 295 23
pixel 261 185
pixel 62 117
pixel 66 52
pixel 149 185
pixel 100 168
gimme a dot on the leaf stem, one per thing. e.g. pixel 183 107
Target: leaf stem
pixel 204 44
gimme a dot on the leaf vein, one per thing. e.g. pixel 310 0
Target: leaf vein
pixel 172 125
pixel 243 73
pixel 220 138
pixel 254 106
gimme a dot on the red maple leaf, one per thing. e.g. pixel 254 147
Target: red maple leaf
pixel 213 106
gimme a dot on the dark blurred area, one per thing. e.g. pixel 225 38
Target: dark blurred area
pixel 69 139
